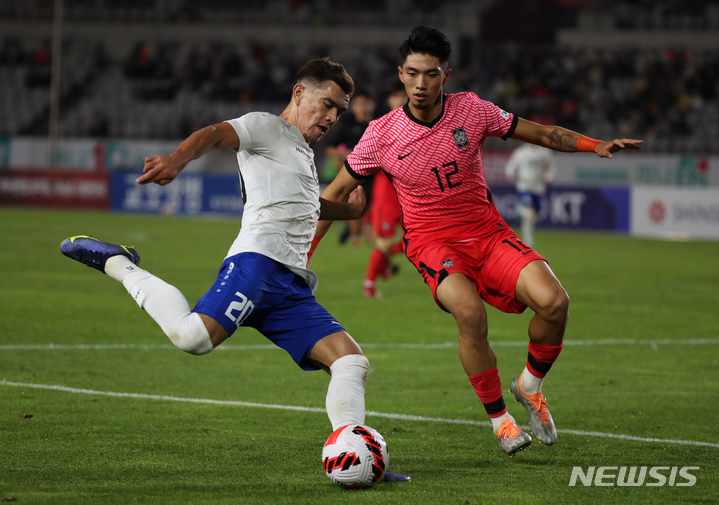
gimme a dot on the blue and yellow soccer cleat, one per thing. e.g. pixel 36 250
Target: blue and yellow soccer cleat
pixel 94 253
pixel 396 477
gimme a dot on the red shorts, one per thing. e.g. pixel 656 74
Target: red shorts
pixel 491 258
pixel 385 211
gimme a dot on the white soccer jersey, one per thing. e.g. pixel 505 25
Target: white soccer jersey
pixel 281 192
pixel 532 166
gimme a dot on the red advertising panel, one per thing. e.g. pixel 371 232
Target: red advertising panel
pixel 72 189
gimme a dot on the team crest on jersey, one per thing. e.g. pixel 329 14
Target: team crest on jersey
pixel 447 263
pixel 460 137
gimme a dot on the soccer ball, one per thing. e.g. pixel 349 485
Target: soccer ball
pixel 355 457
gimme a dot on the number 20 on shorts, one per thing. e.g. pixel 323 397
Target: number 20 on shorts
pixel 242 307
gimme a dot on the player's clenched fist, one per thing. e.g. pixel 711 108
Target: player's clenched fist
pixel 357 199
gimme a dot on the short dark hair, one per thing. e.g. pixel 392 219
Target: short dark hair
pixel 315 72
pixel 427 40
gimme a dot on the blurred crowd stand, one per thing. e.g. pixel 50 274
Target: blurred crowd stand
pixel 166 87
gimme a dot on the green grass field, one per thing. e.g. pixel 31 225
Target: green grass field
pixel 636 385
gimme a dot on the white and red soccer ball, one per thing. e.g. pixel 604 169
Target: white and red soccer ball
pixel 355 457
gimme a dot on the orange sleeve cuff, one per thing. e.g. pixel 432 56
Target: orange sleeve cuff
pixel 315 241
pixel 585 144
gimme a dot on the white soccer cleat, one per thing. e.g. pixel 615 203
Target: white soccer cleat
pixel 539 417
pixel 511 438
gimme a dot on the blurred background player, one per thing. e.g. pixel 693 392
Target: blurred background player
pixel 340 142
pixel 532 167
pixel 385 215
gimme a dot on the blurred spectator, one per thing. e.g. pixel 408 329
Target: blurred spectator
pixel 654 94
pixel 12 52
pixel 40 69
pixel 140 63
pixel 100 127
pixel 342 138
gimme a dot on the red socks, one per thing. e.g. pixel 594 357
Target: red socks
pixel 378 264
pixel 489 389
pixel 541 357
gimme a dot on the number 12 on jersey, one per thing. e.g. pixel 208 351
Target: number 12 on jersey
pixel 447 175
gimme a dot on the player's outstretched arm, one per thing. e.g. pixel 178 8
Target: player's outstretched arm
pixel 162 169
pixel 561 139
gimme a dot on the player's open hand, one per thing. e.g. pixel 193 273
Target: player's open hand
pixel 605 149
pixel 161 169
pixel 357 200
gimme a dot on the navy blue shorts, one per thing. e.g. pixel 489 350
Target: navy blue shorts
pixel 528 199
pixel 256 291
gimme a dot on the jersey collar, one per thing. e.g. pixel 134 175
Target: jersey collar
pixel 294 131
pixel 436 120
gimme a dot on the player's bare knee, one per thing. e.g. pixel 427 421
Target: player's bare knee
pixel 468 315
pixel 556 309
pixel 472 332
pixel 562 304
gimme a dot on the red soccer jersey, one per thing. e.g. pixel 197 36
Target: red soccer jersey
pixel 436 168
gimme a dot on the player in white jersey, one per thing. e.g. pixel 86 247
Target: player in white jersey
pixel 532 167
pixel 263 282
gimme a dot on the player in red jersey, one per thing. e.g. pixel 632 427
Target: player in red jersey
pixel 431 150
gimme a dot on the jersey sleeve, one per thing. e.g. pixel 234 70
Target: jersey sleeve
pixel 498 122
pixel 364 160
pixel 258 131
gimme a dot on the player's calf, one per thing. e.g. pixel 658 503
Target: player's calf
pixel 165 304
pixel 169 308
pixel 345 400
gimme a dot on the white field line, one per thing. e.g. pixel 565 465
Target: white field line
pixel 366 345
pixel 404 417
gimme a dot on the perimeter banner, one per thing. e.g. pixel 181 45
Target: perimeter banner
pixel 571 207
pixel 576 169
pixel 625 169
pixel 83 154
pixel 675 213
pixel 189 194
pixel 74 189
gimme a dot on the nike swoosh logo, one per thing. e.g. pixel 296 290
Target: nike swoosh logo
pixel 400 157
